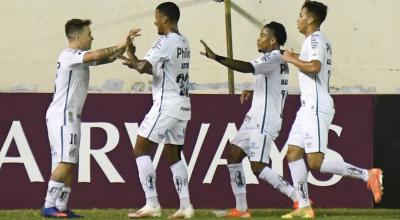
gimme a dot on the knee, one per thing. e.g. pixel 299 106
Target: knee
pixel 257 167
pixel 293 154
pixel 173 153
pixel 236 155
pixel 314 165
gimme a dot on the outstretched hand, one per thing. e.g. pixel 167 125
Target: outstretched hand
pixel 208 52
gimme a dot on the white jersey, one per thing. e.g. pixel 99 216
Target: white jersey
pixel 270 91
pixel 71 85
pixel 314 88
pixel 170 57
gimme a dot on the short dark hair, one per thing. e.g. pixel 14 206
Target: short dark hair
pixel 75 25
pixel 279 31
pixel 317 9
pixel 171 10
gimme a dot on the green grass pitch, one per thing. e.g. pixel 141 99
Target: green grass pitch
pixel 266 214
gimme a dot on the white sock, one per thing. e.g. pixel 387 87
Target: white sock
pixel 238 184
pixel 53 191
pixel 180 178
pixel 299 174
pixel 147 176
pixel 277 181
pixel 344 169
pixel 62 199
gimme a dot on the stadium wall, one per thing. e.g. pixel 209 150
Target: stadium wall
pixel 362 33
pixel 107 173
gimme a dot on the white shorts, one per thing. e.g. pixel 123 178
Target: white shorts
pixel 161 128
pixel 64 142
pixel 310 131
pixel 252 142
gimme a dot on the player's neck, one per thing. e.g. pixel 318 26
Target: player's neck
pixel 172 29
pixel 74 45
pixel 310 30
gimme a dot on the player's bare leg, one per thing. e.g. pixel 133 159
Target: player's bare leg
pixel 147 176
pixel 180 178
pixel 373 177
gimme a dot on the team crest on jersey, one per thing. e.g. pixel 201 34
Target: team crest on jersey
pixel 150 182
pixel 70 117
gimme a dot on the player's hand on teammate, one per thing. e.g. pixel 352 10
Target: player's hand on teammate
pixel 208 52
pixel 288 56
pixel 246 94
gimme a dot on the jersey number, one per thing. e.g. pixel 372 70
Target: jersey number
pixel 74 139
pixel 183 80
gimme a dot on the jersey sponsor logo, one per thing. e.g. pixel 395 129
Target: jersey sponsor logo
pixel 185 109
pixel 157 44
pixel 185 66
pixel 182 52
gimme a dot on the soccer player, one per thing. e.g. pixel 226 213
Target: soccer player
pixel 63 116
pixel 262 123
pixel 168 62
pixel 309 131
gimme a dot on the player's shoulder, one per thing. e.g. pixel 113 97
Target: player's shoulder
pixel 69 52
pixel 271 57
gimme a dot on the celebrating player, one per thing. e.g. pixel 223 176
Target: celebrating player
pixel 262 123
pixel 168 62
pixel 309 131
pixel 64 113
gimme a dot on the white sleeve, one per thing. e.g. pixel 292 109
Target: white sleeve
pixel 316 48
pixel 73 57
pixel 158 53
pixel 266 64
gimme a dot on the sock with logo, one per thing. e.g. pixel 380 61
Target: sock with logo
pixel 238 184
pixel 147 176
pixel 62 199
pixel 277 181
pixel 53 192
pixel 299 173
pixel 180 178
pixel 343 169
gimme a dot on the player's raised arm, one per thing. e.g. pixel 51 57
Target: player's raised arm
pixel 238 65
pixel 142 66
pixel 108 55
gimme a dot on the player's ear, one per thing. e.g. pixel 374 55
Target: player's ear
pixel 310 20
pixel 164 19
pixel 273 40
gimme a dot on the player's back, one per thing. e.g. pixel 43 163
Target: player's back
pixel 71 85
pixel 170 58
pixel 314 88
